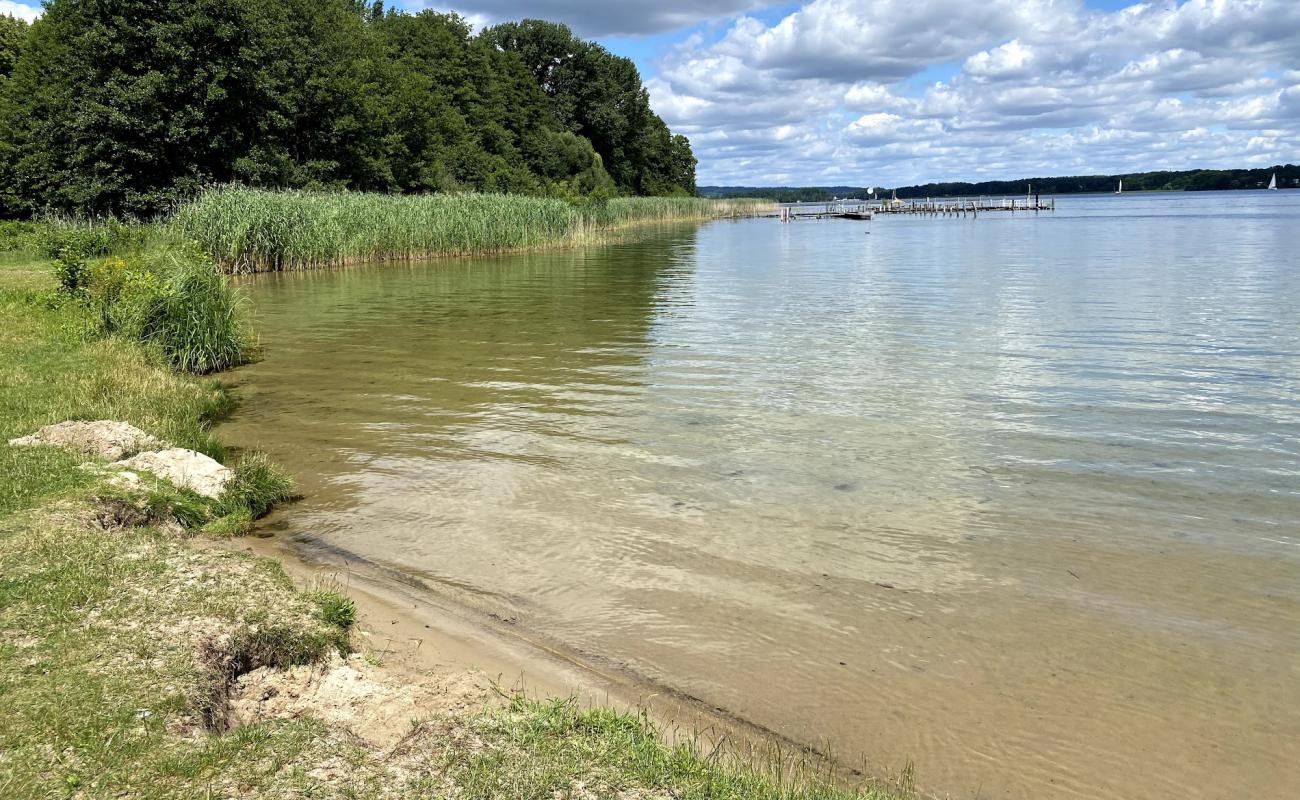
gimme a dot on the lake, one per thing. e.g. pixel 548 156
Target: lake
pixel 1015 499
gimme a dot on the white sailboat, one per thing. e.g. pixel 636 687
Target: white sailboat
pixel 1120 190
pixel 1272 184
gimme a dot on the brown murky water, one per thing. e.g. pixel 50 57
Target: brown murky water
pixel 1014 499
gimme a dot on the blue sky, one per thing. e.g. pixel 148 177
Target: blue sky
pixel 891 92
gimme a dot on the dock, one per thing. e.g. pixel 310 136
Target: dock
pixel 863 210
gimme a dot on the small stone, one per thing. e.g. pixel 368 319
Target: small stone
pixel 107 439
pixel 184 468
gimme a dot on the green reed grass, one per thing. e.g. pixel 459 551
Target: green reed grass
pixel 252 230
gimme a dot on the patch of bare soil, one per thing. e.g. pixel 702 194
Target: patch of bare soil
pixel 370 703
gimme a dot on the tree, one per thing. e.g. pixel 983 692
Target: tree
pixel 12 33
pixel 598 95
pixel 127 106
pixel 121 106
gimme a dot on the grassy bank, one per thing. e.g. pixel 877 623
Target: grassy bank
pixel 123 638
pixel 249 230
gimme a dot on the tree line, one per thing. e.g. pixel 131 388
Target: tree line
pixel 1288 176
pixel 127 106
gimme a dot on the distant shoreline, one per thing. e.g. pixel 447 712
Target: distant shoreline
pixel 1196 180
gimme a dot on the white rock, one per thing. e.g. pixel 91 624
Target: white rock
pixel 126 479
pixel 103 438
pixel 185 468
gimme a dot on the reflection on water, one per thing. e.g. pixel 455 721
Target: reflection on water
pixel 1014 498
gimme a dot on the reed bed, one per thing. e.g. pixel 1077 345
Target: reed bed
pixel 253 230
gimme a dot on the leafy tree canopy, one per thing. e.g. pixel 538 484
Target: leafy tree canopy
pixel 126 106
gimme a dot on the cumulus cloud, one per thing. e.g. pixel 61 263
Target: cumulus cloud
pixel 19 10
pixel 877 40
pixel 600 17
pixel 1024 86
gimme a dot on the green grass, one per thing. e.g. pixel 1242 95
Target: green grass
pixel 555 748
pixel 250 230
pixel 106 668
pixel 101 631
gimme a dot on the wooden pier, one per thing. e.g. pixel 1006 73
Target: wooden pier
pixel 946 206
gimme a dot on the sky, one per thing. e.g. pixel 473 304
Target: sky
pixel 895 92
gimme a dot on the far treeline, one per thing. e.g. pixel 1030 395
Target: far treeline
pixel 129 106
pixel 1195 180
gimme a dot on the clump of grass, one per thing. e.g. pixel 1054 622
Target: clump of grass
pixel 252 230
pixel 196 318
pixel 230 525
pixel 335 609
pixel 157 500
pixel 257 486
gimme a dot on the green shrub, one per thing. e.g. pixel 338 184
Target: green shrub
pixel 85 238
pixel 72 272
pixel 17 236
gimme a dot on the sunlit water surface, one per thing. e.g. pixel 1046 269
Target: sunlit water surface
pixel 1015 498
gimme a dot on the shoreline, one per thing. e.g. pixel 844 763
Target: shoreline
pixel 424 633
pixel 152 648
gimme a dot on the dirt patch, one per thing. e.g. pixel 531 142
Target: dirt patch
pixel 371 704
pixel 115 514
pixel 112 514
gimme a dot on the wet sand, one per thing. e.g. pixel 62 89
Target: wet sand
pixel 411 631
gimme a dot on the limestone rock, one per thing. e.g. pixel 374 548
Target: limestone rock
pixel 185 468
pixel 103 438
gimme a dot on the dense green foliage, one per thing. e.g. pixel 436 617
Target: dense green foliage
pixel 599 96
pixel 1288 177
pixel 127 106
pixel 254 230
pixel 12 33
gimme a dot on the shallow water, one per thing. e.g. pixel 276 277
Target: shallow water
pixel 1015 498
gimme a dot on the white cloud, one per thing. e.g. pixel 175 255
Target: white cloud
pixel 598 18
pixel 1047 86
pixel 19 10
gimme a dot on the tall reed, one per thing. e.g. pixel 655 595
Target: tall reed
pixel 253 230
